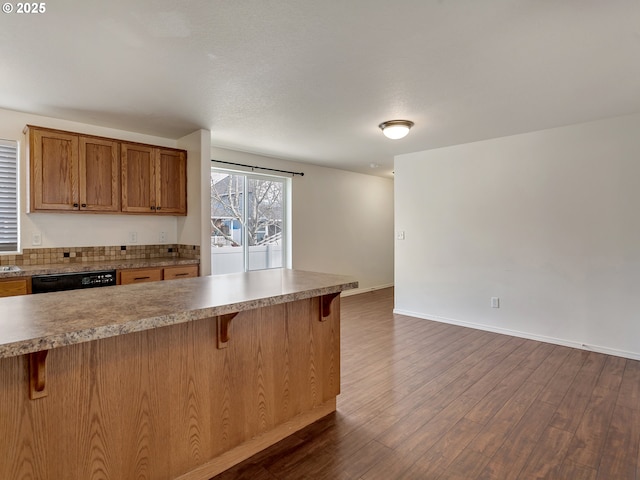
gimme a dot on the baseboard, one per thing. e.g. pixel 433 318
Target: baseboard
pixel 358 291
pixel 527 335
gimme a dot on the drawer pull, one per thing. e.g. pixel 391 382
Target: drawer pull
pixel 142 278
pixel 182 274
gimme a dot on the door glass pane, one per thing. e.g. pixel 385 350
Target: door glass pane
pixel 227 217
pixel 248 222
pixel 265 216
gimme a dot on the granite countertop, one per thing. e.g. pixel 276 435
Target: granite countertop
pixel 32 323
pixel 56 268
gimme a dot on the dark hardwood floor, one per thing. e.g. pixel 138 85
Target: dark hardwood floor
pixel 426 400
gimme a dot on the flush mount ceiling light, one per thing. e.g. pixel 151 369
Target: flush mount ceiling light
pixel 396 129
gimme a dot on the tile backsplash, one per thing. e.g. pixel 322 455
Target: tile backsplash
pixel 47 256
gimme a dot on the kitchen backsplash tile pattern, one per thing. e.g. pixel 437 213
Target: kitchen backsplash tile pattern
pixel 48 256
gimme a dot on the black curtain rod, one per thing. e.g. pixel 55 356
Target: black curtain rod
pixel 253 167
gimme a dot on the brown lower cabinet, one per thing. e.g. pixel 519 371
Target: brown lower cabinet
pixel 180 271
pixel 167 403
pixel 142 275
pixel 15 286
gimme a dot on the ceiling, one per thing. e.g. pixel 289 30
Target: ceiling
pixel 310 80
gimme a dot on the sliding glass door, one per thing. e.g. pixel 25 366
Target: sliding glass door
pixel 248 221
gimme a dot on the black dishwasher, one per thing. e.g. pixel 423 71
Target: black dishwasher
pixel 72 281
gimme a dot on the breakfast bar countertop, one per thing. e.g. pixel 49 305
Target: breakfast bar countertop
pixel 32 323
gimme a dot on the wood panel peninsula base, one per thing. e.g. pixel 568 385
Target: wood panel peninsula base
pixel 164 399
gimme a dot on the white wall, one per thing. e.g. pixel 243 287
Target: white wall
pixel 194 228
pixel 342 221
pixel 547 221
pixel 74 230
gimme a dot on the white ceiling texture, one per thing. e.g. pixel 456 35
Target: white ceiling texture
pixel 310 80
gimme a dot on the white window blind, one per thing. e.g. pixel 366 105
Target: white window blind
pixel 8 196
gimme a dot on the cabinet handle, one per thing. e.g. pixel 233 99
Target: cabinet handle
pixel 84 205
pixel 181 274
pixel 158 208
pixel 153 207
pixel 75 205
pixel 142 278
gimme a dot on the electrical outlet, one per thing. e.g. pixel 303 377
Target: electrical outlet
pixel 133 237
pixel 36 238
pixel 163 237
pixel 495 302
pixel 400 235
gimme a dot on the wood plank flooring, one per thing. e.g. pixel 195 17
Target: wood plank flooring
pixel 426 400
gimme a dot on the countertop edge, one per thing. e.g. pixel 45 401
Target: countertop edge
pixel 23 347
pixel 60 268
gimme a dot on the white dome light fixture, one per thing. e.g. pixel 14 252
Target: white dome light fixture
pixel 396 129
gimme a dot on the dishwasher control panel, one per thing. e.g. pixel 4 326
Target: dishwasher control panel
pixel 72 281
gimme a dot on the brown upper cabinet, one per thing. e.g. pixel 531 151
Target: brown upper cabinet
pixel 75 172
pixel 53 170
pixel 72 172
pixel 138 178
pixel 99 180
pixel 171 181
pixel 154 180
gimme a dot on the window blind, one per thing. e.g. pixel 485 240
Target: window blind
pixel 8 196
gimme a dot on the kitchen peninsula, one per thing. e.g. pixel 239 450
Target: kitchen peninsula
pixel 165 380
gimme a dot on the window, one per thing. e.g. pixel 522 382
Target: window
pixel 248 221
pixel 8 196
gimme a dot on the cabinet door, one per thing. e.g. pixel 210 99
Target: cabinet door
pixel 140 275
pixel 138 178
pixel 171 181
pixel 180 271
pixel 99 175
pixel 54 170
pixel 9 288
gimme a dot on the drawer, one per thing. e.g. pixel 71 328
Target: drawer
pixel 9 288
pixel 140 275
pixel 182 271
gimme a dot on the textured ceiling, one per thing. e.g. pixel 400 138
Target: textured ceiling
pixel 310 80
